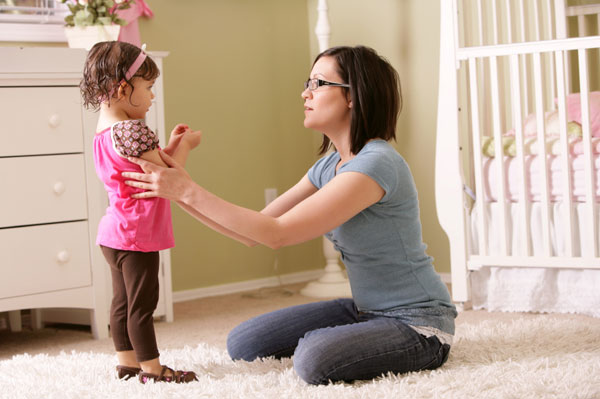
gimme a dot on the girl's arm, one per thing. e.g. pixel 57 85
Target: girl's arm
pixel 181 142
pixel 339 200
pixel 175 137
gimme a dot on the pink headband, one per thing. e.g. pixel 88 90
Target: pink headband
pixel 132 69
pixel 136 64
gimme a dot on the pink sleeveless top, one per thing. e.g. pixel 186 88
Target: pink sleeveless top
pixel 129 224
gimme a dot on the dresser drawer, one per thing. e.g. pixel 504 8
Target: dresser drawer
pixel 42 189
pixel 40 120
pixel 45 258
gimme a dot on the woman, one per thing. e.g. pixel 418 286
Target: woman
pixel 363 197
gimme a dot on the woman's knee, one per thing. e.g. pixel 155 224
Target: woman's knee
pixel 239 343
pixel 248 341
pixel 311 361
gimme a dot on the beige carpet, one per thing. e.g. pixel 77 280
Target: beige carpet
pixel 496 355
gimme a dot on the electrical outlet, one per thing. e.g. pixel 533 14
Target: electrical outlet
pixel 270 195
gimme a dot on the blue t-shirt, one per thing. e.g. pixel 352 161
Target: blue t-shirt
pixel 382 246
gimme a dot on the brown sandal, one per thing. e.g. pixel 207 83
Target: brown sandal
pixel 125 372
pixel 178 377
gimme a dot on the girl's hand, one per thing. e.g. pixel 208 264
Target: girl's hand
pixel 180 128
pixel 170 183
pixel 176 136
pixel 193 138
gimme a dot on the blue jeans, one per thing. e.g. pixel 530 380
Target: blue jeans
pixel 332 341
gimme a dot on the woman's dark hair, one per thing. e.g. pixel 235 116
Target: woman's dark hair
pixel 375 93
pixel 105 67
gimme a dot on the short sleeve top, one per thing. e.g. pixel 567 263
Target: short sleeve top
pixel 382 246
pixel 131 138
pixel 129 224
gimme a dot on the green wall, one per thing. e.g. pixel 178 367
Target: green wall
pixel 235 70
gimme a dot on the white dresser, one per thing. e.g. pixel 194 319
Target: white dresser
pixel 51 199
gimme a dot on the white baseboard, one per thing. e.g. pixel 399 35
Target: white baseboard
pixel 446 278
pixel 292 278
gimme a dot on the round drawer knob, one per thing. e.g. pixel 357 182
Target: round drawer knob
pixel 59 187
pixel 54 120
pixel 63 256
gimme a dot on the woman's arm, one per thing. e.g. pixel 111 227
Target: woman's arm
pixel 277 207
pixel 215 226
pixel 342 198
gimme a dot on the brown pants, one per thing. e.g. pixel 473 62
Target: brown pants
pixel 135 295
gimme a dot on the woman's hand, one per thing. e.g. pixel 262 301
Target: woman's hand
pixel 171 183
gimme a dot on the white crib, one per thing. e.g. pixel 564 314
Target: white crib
pixel 522 216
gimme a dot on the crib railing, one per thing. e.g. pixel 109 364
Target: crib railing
pixel 480 124
pixel 488 85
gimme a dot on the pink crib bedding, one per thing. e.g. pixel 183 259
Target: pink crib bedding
pixel 534 178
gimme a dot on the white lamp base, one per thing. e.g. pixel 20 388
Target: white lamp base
pixel 317 289
pixel 333 283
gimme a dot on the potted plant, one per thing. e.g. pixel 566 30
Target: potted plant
pixel 92 21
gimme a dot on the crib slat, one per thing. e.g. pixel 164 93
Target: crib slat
pixel 552 104
pixel 536 16
pixel 482 226
pixel 518 124
pixel 495 22
pixel 480 22
pixel 524 73
pixel 591 227
pixel 550 20
pixel 541 138
pixel 502 197
pixel 561 33
pixel 561 19
pixel 523 36
pixel 581 25
pixel 464 34
pixel 565 164
pixel 508 22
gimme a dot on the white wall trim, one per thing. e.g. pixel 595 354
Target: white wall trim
pixel 446 278
pixel 215 290
pixel 10 32
pixel 224 289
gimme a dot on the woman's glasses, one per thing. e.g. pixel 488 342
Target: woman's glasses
pixel 314 84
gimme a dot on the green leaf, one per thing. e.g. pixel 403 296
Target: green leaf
pixel 84 18
pixel 69 20
pixel 105 21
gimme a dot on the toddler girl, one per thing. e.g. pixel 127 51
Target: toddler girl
pixel 118 79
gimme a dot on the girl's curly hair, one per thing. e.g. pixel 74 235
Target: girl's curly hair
pixel 105 67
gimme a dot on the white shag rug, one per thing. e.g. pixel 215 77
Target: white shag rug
pixel 529 357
